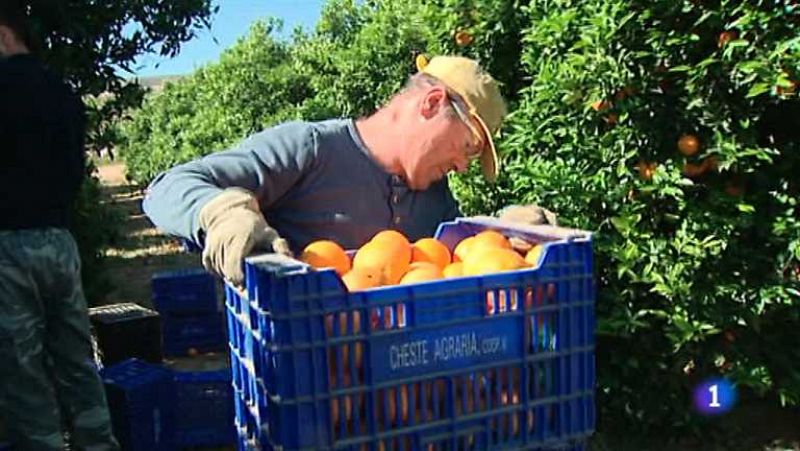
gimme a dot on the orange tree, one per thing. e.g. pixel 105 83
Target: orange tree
pixel 671 129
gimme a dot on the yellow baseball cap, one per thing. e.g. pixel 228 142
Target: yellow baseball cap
pixel 481 93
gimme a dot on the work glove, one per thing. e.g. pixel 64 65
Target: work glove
pixel 234 228
pixel 528 214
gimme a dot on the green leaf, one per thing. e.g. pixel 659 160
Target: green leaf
pixel 746 208
pixel 758 89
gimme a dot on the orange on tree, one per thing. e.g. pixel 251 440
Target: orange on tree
pixel 627 91
pixel 463 38
pixel 710 163
pixel 646 169
pixel 688 145
pixel 726 37
pixel 693 170
pixel 786 91
pixel 430 250
pixel 601 105
pixel 326 254
pixel 734 188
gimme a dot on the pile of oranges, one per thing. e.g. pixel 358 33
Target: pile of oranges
pixel 389 258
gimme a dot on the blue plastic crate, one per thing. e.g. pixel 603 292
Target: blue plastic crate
pixel 203 332
pixel 501 361
pixel 141 402
pixel 204 401
pixel 188 290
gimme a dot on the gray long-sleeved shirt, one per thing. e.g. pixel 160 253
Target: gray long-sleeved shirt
pixel 313 180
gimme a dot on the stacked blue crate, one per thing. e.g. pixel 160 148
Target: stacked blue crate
pixel 189 305
pixel 501 361
pixel 204 401
pixel 141 400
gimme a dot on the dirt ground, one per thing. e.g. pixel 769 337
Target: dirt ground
pixel 142 250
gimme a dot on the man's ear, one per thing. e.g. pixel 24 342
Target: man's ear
pixel 433 101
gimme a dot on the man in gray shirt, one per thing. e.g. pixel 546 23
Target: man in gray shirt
pixel 342 180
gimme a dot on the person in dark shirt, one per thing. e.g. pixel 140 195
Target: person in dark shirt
pixel 47 375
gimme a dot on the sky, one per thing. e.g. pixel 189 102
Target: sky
pixel 230 23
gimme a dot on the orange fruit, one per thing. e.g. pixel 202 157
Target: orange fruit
pixel 395 243
pixel 326 254
pixel 422 265
pixel 692 170
pixel 734 189
pixel 726 37
pixel 625 92
pixel 646 169
pixel 462 248
pixel 391 404
pixel 347 407
pixel 422 274
pixel 601 105
pixel 392 260
pixel 688 145
pixel 463 38
pixel 363 278
pixel 391 236
pixel 346 378
pixel 430 250
pixel 532 256
pixel 710 163
pixel 491 260
pixel 455 269
pixel 787 91
pixel 493 238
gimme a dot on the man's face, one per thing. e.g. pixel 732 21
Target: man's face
pixel 5 36
pixel 443 139
pixel 10 44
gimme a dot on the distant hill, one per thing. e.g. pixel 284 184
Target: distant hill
pixel 156 83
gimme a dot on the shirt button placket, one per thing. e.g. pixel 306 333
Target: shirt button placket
pixel 395 200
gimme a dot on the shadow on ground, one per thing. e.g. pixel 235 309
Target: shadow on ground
pixel 141 251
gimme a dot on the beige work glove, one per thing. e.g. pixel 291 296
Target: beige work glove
pixel 528 214
pixel 234 228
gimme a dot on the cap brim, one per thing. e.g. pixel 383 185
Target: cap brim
pixel 489 162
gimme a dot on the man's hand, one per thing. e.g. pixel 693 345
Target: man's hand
pixel 528 214
pixel 234 228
